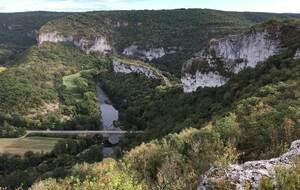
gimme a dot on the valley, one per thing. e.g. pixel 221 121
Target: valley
pixel 148 100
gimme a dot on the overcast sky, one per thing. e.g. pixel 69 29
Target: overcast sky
pixel 281 6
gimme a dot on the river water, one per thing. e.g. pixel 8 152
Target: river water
pixel 109 114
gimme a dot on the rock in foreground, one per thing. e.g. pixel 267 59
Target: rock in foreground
pixel 249 174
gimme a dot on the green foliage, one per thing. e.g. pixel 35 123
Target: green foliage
pixel 228 128
pixel 18 30
pixel 175 162
pixel 108 174
pixel 16 170
pixel 9 131
pixel 33 91
pixel 80 100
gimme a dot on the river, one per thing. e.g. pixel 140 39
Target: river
pixel 109 114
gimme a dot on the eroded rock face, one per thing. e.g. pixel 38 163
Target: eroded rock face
pixel 150 54
pixel 191 82
pixel 120 67
pixel 239 52
pixel 234 53
pixel 297 55
pixel 250 172
pixel 99 44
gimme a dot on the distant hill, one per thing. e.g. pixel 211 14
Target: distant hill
pixel 180 33
pixel 18 31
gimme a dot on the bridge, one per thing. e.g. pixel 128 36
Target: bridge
pixel 116 132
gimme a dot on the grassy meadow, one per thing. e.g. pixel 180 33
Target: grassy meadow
pixel 21 145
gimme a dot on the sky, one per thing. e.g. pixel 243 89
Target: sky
pixel 279 6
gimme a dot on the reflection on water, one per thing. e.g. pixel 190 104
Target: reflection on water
pixel 108 115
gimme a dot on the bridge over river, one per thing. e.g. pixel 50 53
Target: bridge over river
pixel 82 132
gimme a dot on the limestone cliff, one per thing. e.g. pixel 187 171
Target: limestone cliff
pixel 98 44
pixel 297 55
pixel 191 82
pixel 228 56
pixel 122 67
pixel 240 176
pixel 148 54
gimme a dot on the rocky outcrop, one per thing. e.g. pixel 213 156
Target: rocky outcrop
pixel 249 173
pixel 98 44
pixel 232 54
pixel 297 55
pixel 147 54
pixel 239 52
pixel 191 82
pixel 122 67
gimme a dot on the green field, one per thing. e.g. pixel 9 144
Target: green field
pixel 21 145
pixel 69 81
pixel 2 69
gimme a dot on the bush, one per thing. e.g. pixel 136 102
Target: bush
pixel 9 131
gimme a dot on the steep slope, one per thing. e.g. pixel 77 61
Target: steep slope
pixel 213 66
pixel 155 36
pixel 34 95
pixel 18 31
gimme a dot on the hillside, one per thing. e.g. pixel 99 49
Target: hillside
pixel 35 92
pixel 125 34
pixel 261 123
pixel 18 32
pixel 166 38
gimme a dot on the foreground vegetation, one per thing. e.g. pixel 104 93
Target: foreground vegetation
pixel 286 178
pixel 47 157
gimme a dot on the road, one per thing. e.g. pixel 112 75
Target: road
pixel 80 132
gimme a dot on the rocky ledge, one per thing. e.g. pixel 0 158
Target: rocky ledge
pixel 98 44
pixel 249 173
pixel 148 54
pixel 191 82
pixel 122 67
pixel 230 55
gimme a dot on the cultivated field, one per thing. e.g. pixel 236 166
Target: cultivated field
pixel 21 145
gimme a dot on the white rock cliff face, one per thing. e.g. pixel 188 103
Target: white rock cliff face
pixel 249 49
pixel 236 53
pixel 151 54
pixel 297 55
pixel 250 172
pixel 120 67
pixel 99 44
pixel 191 82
